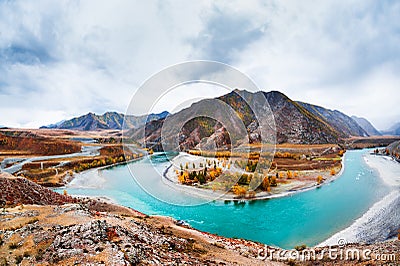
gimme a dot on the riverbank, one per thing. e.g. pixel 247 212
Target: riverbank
pixel 282 190
pixel 96 181
pixel 99 233
pixel 382 220
pixel 388 168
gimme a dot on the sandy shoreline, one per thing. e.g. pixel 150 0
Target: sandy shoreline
pixel 378 224
pixel 381 221
pixel 389 169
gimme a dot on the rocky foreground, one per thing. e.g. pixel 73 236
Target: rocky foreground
pixel 86 231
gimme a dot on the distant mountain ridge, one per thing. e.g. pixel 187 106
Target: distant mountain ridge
pixel 55 125
pixel 393 130
pixel 108 120
pixel 342 123
pixel 367 126
pixel 296 122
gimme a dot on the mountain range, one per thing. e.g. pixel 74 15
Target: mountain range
pixel 108 120
pixel 367 126
pixel 394 130
pixel 295 122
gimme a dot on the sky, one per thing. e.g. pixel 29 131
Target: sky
pixel 60 59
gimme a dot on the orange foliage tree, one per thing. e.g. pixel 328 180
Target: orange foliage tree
pixel 266 185
pixel 289 174
pixel 239 190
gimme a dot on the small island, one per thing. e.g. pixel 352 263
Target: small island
pixel 293 168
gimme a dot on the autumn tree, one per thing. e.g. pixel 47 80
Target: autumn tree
pixel 244 179
pixel 265 184
pixel 273 182
pixel 289 174
pixel 183 177
pixel 239 190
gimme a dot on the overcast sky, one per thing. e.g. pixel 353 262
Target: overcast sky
pixel 60 59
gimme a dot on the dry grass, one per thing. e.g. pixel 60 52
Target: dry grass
pixel 65 133
pixel 305 146
pixel 53 175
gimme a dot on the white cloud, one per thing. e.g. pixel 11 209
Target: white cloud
pixel 60 59
pixel 330 53
pixel 86 56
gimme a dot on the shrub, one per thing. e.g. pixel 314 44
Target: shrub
pixel 300 248
pixel 13 246
pixel 273 182
pixel 18 259
pixel 112 233
pixel 289 174
pixel 99 249
pixel 39 255
pixel 266 184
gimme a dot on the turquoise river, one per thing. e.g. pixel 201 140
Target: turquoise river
pixel 304 218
